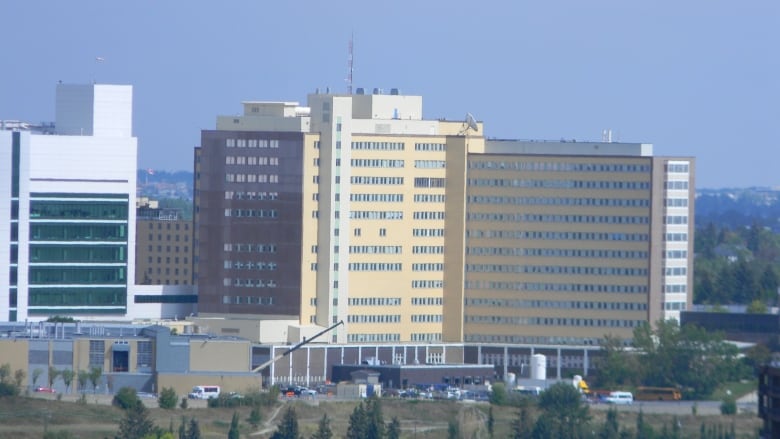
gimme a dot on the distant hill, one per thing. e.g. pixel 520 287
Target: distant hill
pixel 738 208
pixel 164 184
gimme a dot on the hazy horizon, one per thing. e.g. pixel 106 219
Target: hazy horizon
pixel 698 78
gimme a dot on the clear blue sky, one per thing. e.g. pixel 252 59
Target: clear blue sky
pixel 695 78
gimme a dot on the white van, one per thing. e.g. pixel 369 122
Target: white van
pixel 204 392
pixel 626 398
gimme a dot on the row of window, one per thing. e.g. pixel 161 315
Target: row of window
pixel 676 202
pixel 250 265
pixel 252 213
pixel 101 296
pixel 676 237
pixel 77 232
pixel 559 166
pixel 430 164
pixel 558 184
pixel 427 284
pixel 426 337
pixel 675 306
pixel 553 321
pixel 676 254
pixel 376 249
pixel 384 181
pixel 574 236
pixel 240 195
pixel 429 198
pixel 428 232
pixel 94 275
pixel 376 163
pixel 374 301
pixel 378 146
pixel 369 318
pixel 556 252
pixel 251 178
pixel 374 266
pixel 555 269
pixel 676 271
pixel 558 201
pixel 429 182
pixel 529 339
pixel 430 146
pixel 249 283
pixel 677 167
pixel 675 288
pixel 251 160
pixel 428 267
pixel 373 338
pixel 168 237
pixel 428 249
pixel 376 214
pixel 428 215
pixel 427 301
pixel 551 218
pixel 168 225
pixel 676 185
pixel 81 210
pixel 557 304
pixel 78 253
pixel 247 300
pixel 676 219
pixel 249 247
pixel 167 271
pixel 373 198
pixel 562 287
pixel 252 143
pixel 167 260
pixel 426 318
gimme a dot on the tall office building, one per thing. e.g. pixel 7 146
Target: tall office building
pixel 67 208
pixel 355 208
pixel 163 245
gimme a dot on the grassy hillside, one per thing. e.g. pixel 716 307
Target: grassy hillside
pixel 27 417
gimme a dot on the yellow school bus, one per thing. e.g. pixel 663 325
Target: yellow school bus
pixel 657 394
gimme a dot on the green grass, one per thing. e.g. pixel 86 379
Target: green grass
pixel 738 389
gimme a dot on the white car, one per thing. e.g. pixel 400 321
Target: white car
pixel 624 398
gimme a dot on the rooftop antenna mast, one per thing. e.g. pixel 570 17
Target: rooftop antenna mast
pixel 350 64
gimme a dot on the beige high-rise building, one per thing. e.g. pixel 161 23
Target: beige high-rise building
pixel 415 230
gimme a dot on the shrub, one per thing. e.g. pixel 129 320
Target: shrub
pixel 8 389
pixel 126 398
pixel 728 406
pixel 168 398
pixel 184 403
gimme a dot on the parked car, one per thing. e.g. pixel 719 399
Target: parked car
pixel 45 390
pixel 626 398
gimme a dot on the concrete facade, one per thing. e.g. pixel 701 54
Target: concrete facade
pixel 415 230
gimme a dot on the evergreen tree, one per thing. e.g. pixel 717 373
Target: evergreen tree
pixel 323 429
pixel 233 432
pixel 394 429
pixel 183 428
pixel 491 422
pixel 643 429
pixel 521 426
pixel 254 417
pixel 563 411
pixel 611 429
pixel 136 423
pixel 452 429
pixel 194 431
pixel 375 427
pixel 358 423
pixel 288 428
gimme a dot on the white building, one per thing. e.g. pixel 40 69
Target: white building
pixel 67 229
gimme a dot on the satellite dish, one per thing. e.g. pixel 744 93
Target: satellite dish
pixel 471 122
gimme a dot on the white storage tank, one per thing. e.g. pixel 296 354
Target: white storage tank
pixel 510 380
pixel 538 367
